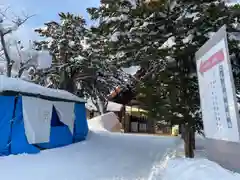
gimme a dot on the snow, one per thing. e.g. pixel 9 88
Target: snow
pixel 197 169
pixel 44 60
pixel 105 122
pixel 71 44
pixel 21 86
pixel 145 24
pixel 44 28
pixel 114 37
pixel 120 54
pixel 188 39
pixel 84 44
pixel 79 58
pixel 113 156
pixel 122 17
pixel 103 156
pixel 195 16
pixel 131 70
pixel 169 43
